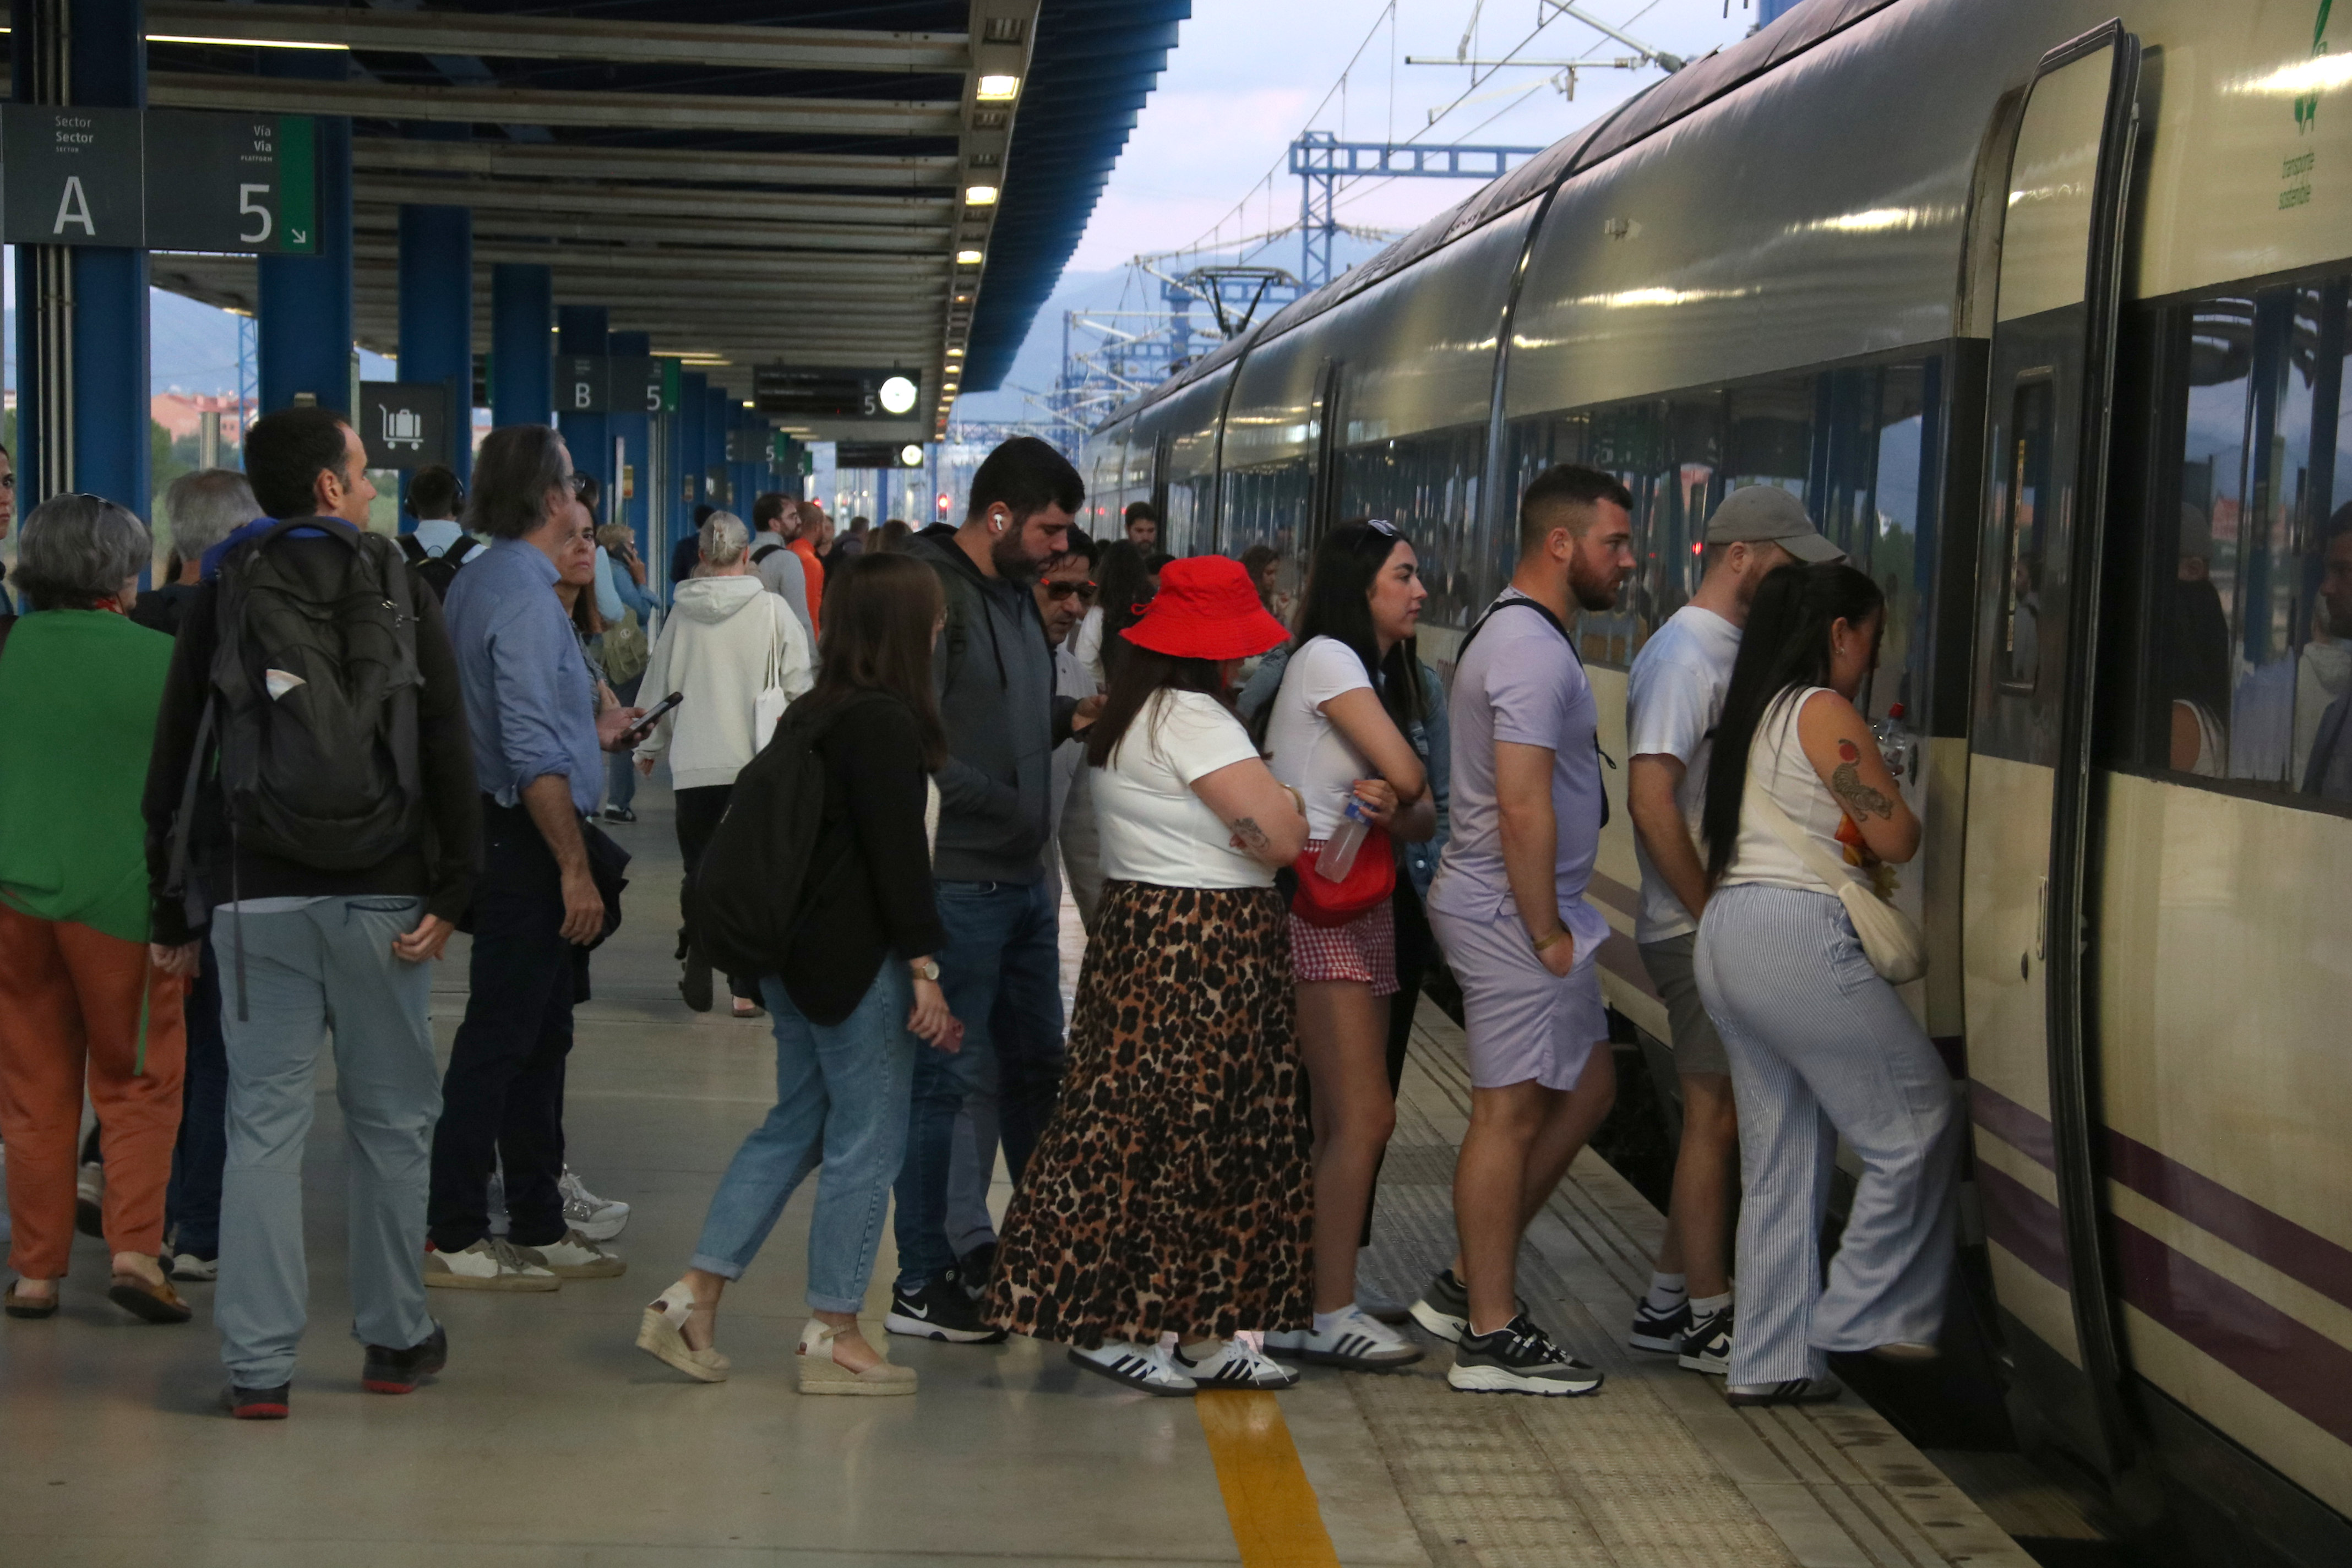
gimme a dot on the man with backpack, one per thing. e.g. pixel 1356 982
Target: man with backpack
pixel 310 806
pixel 1000 969
pixel 539 748
pixel 775 518
pixel 439 546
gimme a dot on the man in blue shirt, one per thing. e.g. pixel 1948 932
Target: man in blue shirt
pixel 538 745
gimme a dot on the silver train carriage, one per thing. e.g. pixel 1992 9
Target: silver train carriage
pixel 2042 313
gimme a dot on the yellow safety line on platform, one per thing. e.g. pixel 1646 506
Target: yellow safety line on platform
pixel 1276 1521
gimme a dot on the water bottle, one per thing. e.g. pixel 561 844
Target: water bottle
pixel 1897 744
pixel 1338 855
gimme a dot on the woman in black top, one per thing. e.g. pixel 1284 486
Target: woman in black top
pixel 857 991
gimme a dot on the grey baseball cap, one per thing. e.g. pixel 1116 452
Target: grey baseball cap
pixel 1767 514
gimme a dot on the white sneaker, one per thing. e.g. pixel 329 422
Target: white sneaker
pixel 1147 1367
pixel 1356 1341
pixel 493 1263
pixel 577 1257
pixel 1237 1364
pixel 188 1265
pixel 598 1219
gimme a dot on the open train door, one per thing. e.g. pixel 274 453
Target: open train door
pixel 2023 938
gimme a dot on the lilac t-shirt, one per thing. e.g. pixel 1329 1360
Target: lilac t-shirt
pixel 1520 681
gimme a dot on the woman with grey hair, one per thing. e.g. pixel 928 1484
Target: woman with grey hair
pixel 81 999
pixel 202 508
pixel 739 654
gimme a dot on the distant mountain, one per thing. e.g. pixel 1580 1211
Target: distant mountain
pixel 191 347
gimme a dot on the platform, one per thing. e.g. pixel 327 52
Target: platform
pixel 552 1441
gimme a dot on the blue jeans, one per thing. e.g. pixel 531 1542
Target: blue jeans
pixel 841 1101
pixel 621 767
pixel 1000 970
pixel 192 1202
pixel 311 972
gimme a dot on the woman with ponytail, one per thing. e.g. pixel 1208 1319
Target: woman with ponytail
pixel 1821 1046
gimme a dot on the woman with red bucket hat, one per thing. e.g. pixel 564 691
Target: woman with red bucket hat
pixel 1165 1222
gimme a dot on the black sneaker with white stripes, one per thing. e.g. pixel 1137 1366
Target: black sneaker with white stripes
pixel 1518 1358
pixel 941 1310
pixel 1662 1332
pixel 1795 1391
pixel 1708 1347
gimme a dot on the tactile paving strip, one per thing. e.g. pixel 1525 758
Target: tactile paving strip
pixel 1655 1471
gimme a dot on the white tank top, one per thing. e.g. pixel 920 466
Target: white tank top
pixel 1777 764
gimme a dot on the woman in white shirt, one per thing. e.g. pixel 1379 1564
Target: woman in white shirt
pixel 1163 1220
pixel 727 640
pixel 1336 737
pixel 1819 1044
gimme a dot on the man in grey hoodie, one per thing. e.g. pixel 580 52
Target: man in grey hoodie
pixel 994 671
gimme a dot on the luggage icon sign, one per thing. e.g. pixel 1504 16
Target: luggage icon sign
pixel 404 428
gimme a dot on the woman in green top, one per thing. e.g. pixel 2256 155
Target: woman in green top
pixel 80 995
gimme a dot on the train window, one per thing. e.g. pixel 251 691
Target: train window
pixel 1428 486
pixel 1858 446
pixel 2251 642
pixel 2025 495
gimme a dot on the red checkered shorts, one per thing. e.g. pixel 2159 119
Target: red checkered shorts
pixel 1363 951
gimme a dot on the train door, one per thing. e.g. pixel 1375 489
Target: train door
pixel 2022 936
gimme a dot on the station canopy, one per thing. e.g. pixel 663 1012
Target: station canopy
pixel 747 181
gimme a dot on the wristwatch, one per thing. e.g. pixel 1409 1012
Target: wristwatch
pixel 929 969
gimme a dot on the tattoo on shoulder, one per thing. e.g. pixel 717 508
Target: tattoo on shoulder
pixel 1846 782
pixel 1250 835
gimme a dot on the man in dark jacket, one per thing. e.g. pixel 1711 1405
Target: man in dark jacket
pixel 994 671
pixel 301 943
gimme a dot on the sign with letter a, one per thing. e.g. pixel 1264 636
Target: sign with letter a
pixel 73 175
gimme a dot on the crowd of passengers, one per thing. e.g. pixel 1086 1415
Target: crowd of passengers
pixel 241 815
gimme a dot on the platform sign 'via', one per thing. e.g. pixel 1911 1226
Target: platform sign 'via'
pixel 73 175
pixel 232 181
pixel 405 424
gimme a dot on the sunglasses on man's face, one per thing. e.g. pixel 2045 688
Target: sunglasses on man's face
pixel 1057 591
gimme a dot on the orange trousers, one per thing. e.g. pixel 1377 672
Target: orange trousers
pixel 69 1008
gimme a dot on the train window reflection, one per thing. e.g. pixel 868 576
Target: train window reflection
pixel 2025 496
pixel 2252 646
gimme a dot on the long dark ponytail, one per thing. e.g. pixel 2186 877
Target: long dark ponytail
pixel 1785 648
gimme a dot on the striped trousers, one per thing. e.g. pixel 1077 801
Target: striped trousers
pixel 1822 1047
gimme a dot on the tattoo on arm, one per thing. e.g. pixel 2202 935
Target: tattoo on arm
pixel 1846 782
pixel 1250 835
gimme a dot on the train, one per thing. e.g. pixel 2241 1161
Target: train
pixel 2039 306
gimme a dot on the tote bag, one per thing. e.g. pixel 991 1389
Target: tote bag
pixel 1891 939
pixel 772 700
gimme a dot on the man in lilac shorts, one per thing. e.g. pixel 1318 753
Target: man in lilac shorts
pixel 1509 907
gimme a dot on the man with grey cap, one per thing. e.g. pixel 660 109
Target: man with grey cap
pixel 1672 699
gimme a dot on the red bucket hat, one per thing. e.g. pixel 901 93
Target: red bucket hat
pixel 1206 608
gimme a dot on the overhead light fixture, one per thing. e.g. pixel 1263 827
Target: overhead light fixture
pixel 749 404
pixel 997 90
pixel 955 353
pixel 896 395
pixel 245 43
pixel 912 454
pixel 980 195
pixel 969 257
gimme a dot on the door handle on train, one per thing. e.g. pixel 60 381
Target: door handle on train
pixel 2042 923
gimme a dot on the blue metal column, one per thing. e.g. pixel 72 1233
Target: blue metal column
pixel 437 319
pixel 693 447
pixel 305 326
pixel 635 430
pixel 580 329
pixel 522 325
pixel 718 413
pixel 93 352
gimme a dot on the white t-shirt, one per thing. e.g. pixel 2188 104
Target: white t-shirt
pixel 1306 749
pixel 1154 828
pixel 1672 701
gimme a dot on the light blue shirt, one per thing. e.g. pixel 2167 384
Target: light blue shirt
pixel 530 701
pixel 436 534
pixel 616 590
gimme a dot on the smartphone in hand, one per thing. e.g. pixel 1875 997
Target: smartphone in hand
pixel 652 716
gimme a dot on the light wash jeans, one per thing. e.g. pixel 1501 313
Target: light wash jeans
pixel 1821 1046
pixel 324 968
pixel 841 1102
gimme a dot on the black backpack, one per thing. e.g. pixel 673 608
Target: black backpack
pixel 439 570
pixel 745 897
pixel 324 773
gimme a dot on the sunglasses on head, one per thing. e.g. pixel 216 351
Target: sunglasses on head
pixel 1379 533
pixel 1085 591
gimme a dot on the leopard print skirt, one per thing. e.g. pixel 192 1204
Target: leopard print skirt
pixel 1171 1190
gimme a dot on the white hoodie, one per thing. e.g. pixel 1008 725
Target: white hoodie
pixel 718 646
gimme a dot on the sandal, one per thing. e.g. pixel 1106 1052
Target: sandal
pixel 820 1373
pixel 17 1305
pixel 661 1335
pixel 155 1302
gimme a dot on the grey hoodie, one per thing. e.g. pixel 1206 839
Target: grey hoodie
pixel 993 672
